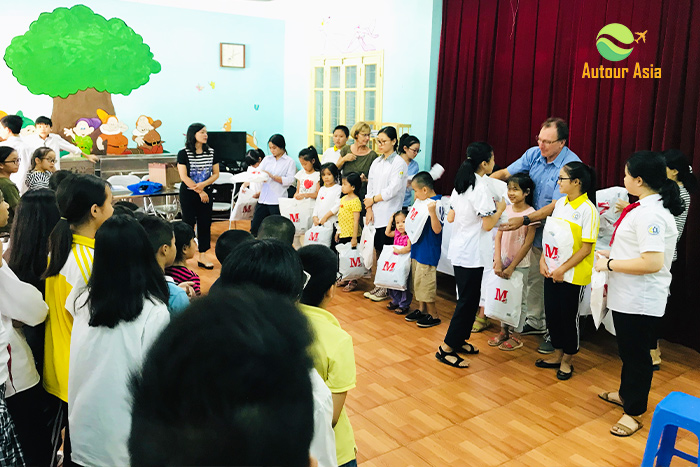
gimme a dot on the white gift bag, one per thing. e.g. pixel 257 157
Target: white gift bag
pixel 605 203
pixel 558 245
pixel 416 219
pixel 319 234
pixel 392 269
pixel 504 298
pixel 599 296
pixel 366 245
pixel 244 208
pixel 300 212
pixel 350 263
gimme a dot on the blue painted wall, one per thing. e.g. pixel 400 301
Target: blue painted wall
pixel 186 43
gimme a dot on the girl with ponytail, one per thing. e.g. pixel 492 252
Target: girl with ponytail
pixel 474 213
pixel 84 203
pixel 639 270
pixel 678 170
pixel 409 147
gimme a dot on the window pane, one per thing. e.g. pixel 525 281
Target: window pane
pixel 335 77
pixel 370 105
pixel 351 77
pixel 335 108
pixel 350 108
pixel 318 82
pixel 318 143
pixel 318 111
pixel 371 76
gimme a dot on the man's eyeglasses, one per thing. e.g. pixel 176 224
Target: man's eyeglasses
pixel 544 141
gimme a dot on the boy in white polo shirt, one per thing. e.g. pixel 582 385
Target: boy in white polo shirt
pixel 341 133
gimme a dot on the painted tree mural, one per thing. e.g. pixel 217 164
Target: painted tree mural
pixel 80 59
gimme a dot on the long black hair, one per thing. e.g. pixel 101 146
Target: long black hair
pixel 476 154
pixel 651 168
pixel 140 277
pixel 523 180
pixel 253 156
pixel 355 181
pixel 333 169
pixel 184 233
pixel 321 263
pixel 407 141
pixel 278 140
pixel 268 263
pixel 311 155
pixel 35 217
pixel 40 153
pixel 390 132
pixel 676 160
pixel 585 175
pixel 191 140
pixel 75 199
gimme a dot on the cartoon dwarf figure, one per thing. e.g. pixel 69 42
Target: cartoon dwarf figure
pixel 146 136
pixel 80 134
pixel 112 129
pixel 28 127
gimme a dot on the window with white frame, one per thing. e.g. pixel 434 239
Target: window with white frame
pixel 345 90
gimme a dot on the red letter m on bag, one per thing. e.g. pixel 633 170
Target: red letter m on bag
pixel 414 213
pixel 551 251
pixel 355 262
pixel 247 208
pixel 294 217
pixel 313 237
pixel 388 266
pixel 501 295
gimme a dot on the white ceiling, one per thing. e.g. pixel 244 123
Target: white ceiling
pixel 279 9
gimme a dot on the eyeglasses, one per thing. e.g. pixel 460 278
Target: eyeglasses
pixel 50 160
pixel 563 178
pixel 15 161
pixel 414 151
pixel 544 141
pixel 382 141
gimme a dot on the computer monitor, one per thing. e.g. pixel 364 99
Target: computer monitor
pixel 229 147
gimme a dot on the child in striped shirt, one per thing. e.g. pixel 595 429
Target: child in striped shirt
pixel 43 166
pixel 185 249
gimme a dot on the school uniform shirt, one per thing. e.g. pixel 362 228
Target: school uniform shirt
pixel 101 362
pixel 584 221
pixel 427 249
pixel 512 241
pixel 387 177
pixel 22 302
pixel 648 228
pixel 545 175
pixel 74 274
pixel 36 180
pixel 413 169
pixel 323 443
pixel 346 216
pixel 681 218
pixel 470 245
pixel 177 299
pixel 283 167
pixel 328 200
pixel 332 154
pixel 54 142
pixel 25 161
pixel 200 167
pixel 334 359
pixel 182 274
pixel 307 181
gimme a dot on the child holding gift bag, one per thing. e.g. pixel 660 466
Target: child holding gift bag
pixel 400 299
pixel 349 218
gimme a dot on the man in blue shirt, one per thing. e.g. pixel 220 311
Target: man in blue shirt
pixel 542 163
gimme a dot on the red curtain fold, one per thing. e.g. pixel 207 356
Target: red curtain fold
pixel 507 65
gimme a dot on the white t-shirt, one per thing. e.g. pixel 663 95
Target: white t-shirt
pixel 328 199
pixel 323 442
pixel 53 141
pixel 307 181
pixel 470 245
pixel 648 228
pixel 101 362
pixel 255 173
pixel 331 155
pixel 387 177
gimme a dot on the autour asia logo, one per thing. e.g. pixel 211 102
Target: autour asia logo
pixel 615 42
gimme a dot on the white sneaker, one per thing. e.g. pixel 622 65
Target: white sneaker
pixel 371 292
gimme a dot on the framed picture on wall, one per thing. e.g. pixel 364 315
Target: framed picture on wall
pixel 232 55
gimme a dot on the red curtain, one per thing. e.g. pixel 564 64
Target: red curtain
pixel 507 65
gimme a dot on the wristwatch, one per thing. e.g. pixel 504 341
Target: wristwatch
pixel 526 220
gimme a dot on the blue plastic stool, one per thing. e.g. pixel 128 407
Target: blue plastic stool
pixel 677 410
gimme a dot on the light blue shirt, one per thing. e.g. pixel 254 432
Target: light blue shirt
pixel 545 175
pixel 178 300
pixel 412 170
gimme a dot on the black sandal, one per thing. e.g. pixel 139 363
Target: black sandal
pixel 442 356
pixel 470 350
pixel 205 266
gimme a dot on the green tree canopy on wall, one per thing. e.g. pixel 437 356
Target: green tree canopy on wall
pixel 79 58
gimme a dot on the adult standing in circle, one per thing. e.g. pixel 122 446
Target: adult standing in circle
pixel 281 170
pixel 409 147
pixel 198 170
pixel 639 269
pixel 543 163
pixel 358 157
pixel 385 192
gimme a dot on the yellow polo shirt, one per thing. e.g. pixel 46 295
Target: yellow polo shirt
pixel 59 322
pixel 334 359
pixel 584 222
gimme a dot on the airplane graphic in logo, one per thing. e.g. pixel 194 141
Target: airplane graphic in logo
pixel 642 36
